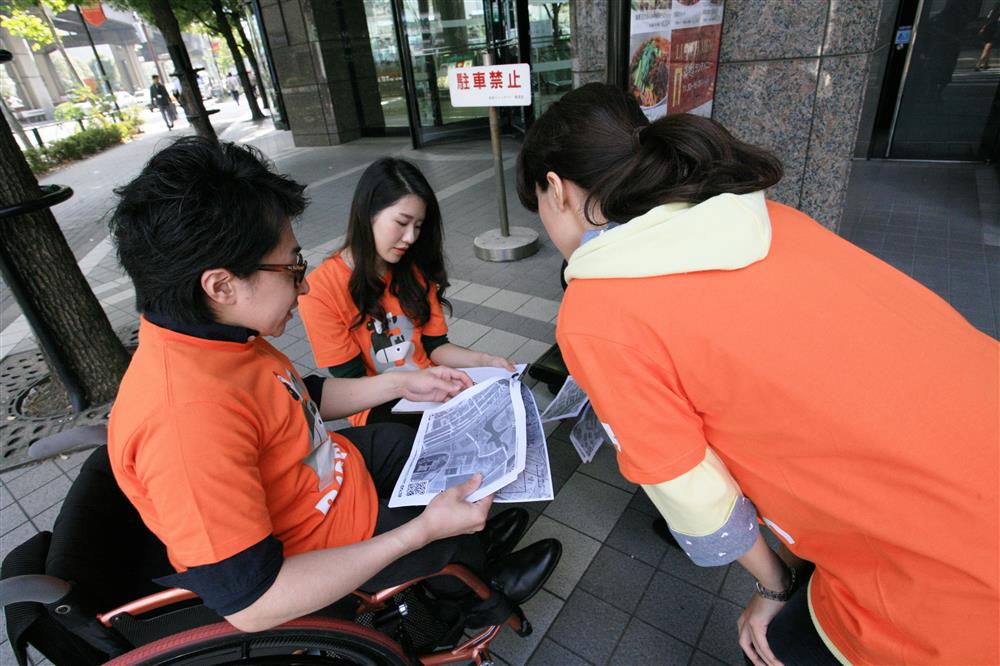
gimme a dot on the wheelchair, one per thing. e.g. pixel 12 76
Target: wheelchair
pixel 84 594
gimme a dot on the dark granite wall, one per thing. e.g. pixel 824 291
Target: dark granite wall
pixel 802 78
pixel 307 40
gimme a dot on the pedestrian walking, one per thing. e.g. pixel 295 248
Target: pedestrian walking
pixel 233 86
pixel 159 98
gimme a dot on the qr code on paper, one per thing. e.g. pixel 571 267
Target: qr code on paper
pixel 416 488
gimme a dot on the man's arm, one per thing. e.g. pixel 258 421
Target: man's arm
pixel 454 356
pixel 345 396
pixel 310 581
pixel 773 574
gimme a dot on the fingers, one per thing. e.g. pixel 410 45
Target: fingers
pixel 759 638
pixel 470 485
pixel 747 644
pixel 452 375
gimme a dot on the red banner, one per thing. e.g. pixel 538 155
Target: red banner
pixel 93 13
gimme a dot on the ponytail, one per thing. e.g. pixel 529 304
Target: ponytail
pixel 597 137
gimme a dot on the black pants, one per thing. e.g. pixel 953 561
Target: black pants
pixel 383 414
pixel 385 448
pixel 792 636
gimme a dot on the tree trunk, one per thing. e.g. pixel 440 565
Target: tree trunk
pixel 37 255
pixel 57 40
pixel 222 25
pixel 248 50
pixel 165 20
pixel 14 125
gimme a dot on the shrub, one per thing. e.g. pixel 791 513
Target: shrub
pixel 79 145
pixel 38 160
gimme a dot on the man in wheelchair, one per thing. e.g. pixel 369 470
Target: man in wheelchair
pixel 220 445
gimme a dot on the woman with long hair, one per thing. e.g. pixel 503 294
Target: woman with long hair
pixel 749 365
pixel 376 305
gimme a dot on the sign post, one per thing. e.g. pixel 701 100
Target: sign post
pixel 493 86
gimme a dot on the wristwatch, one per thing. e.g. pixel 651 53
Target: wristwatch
pixel 777 596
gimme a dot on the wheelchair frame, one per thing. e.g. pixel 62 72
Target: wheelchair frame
pixel 113 632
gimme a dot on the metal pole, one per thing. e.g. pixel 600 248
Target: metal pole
pixel 100 65
pixel 152 49
pixel 498 160
pixel 508 243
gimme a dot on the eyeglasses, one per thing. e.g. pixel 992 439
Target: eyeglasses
pixel 298 269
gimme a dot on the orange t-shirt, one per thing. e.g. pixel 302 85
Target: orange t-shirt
pixel 328 313
pixel 218 445
pixel 855 407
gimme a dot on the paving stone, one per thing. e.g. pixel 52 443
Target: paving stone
pixel 541 610
pixel 591 506
pixel 68 461
pixel 541 309
pixel 530 328
pixel 529 352
pixel 475 293
pixel 641 502
pixel 11 516
pixel 577 553
pixel 563 458
pixel 702 659
pixel 644 644
pixel 673 606
pixel 634 536
pixel 500 343
pixel 738 586
pixel 16 537
pixel 465 333
pixel 550 653
pixel 5 497
pixel 677 563
pixel 506 300
pixel 34 477
pixel 617 579
pixel 46 519
pixel 482 315
pixel 51 493
pixel 720 638
pixel 592 626
pixel 604 467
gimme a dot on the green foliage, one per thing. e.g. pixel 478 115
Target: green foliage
pixel 22 18
pixel 28 26
pixel 82 144
pixel 38 160
pixel 68 111
pixel 96 110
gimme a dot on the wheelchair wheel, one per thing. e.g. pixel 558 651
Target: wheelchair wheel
pixel 303 642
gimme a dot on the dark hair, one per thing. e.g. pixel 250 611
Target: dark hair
pixel 195 206
pixel 597 137
pixel 383 183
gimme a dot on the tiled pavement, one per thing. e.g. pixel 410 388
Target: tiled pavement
pixel 619 596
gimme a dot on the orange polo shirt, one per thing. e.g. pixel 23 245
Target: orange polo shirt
pixel 218 445
pixel 328 312
pixel 857 409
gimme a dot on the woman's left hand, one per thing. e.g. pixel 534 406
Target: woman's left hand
pixel 753 630
pixel 491 361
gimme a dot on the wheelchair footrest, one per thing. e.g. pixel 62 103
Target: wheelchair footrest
pixel 494 610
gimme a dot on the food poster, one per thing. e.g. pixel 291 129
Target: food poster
pixel 674 52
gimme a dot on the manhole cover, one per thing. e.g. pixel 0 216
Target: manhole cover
pixel 20 374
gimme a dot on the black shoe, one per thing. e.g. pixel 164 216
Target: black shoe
pixel 521 574
pixel 503 531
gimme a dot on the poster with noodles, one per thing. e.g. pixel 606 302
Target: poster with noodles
pixel 674 54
